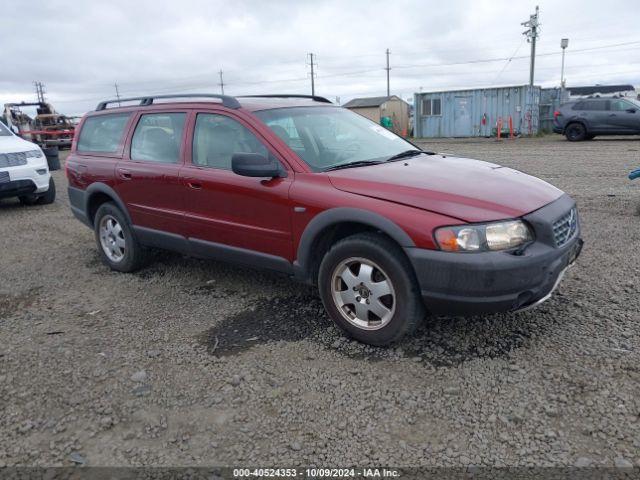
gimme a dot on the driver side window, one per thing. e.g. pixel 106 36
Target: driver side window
pixel 217 138
pixel 620 105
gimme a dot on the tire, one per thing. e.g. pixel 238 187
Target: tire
pixel 28 200
pixel 575 132
pixel 389 316
pixel 49 196
pixel 119 249
pixel 53 157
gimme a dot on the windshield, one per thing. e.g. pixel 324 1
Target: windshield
pixel 634 101
pixel 4 131
pixel 325 137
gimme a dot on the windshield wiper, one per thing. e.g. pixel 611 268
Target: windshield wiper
pixel 359 163
pixel 405 154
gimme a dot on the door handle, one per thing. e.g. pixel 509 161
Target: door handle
pixel 124 174
pixel 194 185
pixel 612 114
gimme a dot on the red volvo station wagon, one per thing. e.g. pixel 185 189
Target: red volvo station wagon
pixel 294 184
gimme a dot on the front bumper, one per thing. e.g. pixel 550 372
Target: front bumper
pixel 490 282
pixel 17 188
pixel 30 173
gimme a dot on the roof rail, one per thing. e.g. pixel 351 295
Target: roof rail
pixel 315 98
pixel 227 101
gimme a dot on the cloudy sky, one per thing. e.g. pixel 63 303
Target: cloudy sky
pixel 79 50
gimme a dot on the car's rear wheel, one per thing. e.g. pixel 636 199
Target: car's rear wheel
pixel 369 289
pixel 117 244
pixel 575 132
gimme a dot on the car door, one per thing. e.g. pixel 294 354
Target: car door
pixel 596 113
pixel 624 116
pixel 148 177
pixel 224 209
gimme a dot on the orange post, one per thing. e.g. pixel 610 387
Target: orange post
pixel 499 128
pixel 510 127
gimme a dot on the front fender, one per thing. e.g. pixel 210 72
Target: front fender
pixel 335 216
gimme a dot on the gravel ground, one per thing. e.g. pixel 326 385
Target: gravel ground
pixel 191 362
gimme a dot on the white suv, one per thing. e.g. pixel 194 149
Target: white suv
pixel 23 170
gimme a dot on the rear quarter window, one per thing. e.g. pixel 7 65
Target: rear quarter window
pixel 591 105
pixel 102 133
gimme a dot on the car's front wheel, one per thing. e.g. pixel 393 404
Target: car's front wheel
pixel 575 132
pixel 118 246
pixel 49 196
pixel 369 289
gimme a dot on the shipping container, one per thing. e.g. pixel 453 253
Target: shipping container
pixel 476 112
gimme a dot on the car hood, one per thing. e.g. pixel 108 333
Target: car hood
pixel 12 144
pixel 466 189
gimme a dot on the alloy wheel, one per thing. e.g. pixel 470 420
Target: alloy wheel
pixel 112 238
pixel 363 293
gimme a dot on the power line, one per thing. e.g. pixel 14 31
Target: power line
pixel 500 59
pixel 367 70
pixel 508 62
pixel 185 87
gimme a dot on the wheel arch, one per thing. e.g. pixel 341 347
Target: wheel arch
pixel 580 120
pixel 99 193
pixel 331 226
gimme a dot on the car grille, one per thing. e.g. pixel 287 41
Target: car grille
pixel 565 227
pixel 4 177
pixel 13 159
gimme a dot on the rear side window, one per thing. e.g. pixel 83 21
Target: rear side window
pixel 158 137
pixel 102 133
pixel 591 105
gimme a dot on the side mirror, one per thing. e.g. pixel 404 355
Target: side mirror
pixel 631 110
pixel 255 165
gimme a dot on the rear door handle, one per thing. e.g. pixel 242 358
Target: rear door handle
pixel 124 174
pixel 194 185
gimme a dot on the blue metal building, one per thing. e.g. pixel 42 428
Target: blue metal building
pixel 475 113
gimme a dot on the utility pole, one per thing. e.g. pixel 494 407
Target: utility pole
pixel 117 93
pixel 532 34
pixel 564 43
pixel 388 69
pixel 313 85
pixel 221 83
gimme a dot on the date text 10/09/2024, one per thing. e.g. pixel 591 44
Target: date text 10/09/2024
pixel 315 473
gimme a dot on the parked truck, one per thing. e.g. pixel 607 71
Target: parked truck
pixel 49 129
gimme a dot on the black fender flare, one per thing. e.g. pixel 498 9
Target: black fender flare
pixel 100 187
pixel 338 215
pixel 582 120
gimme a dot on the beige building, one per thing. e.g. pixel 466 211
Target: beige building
pixel 374 108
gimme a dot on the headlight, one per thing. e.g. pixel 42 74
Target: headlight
pixel 482 238
pixel 34 154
